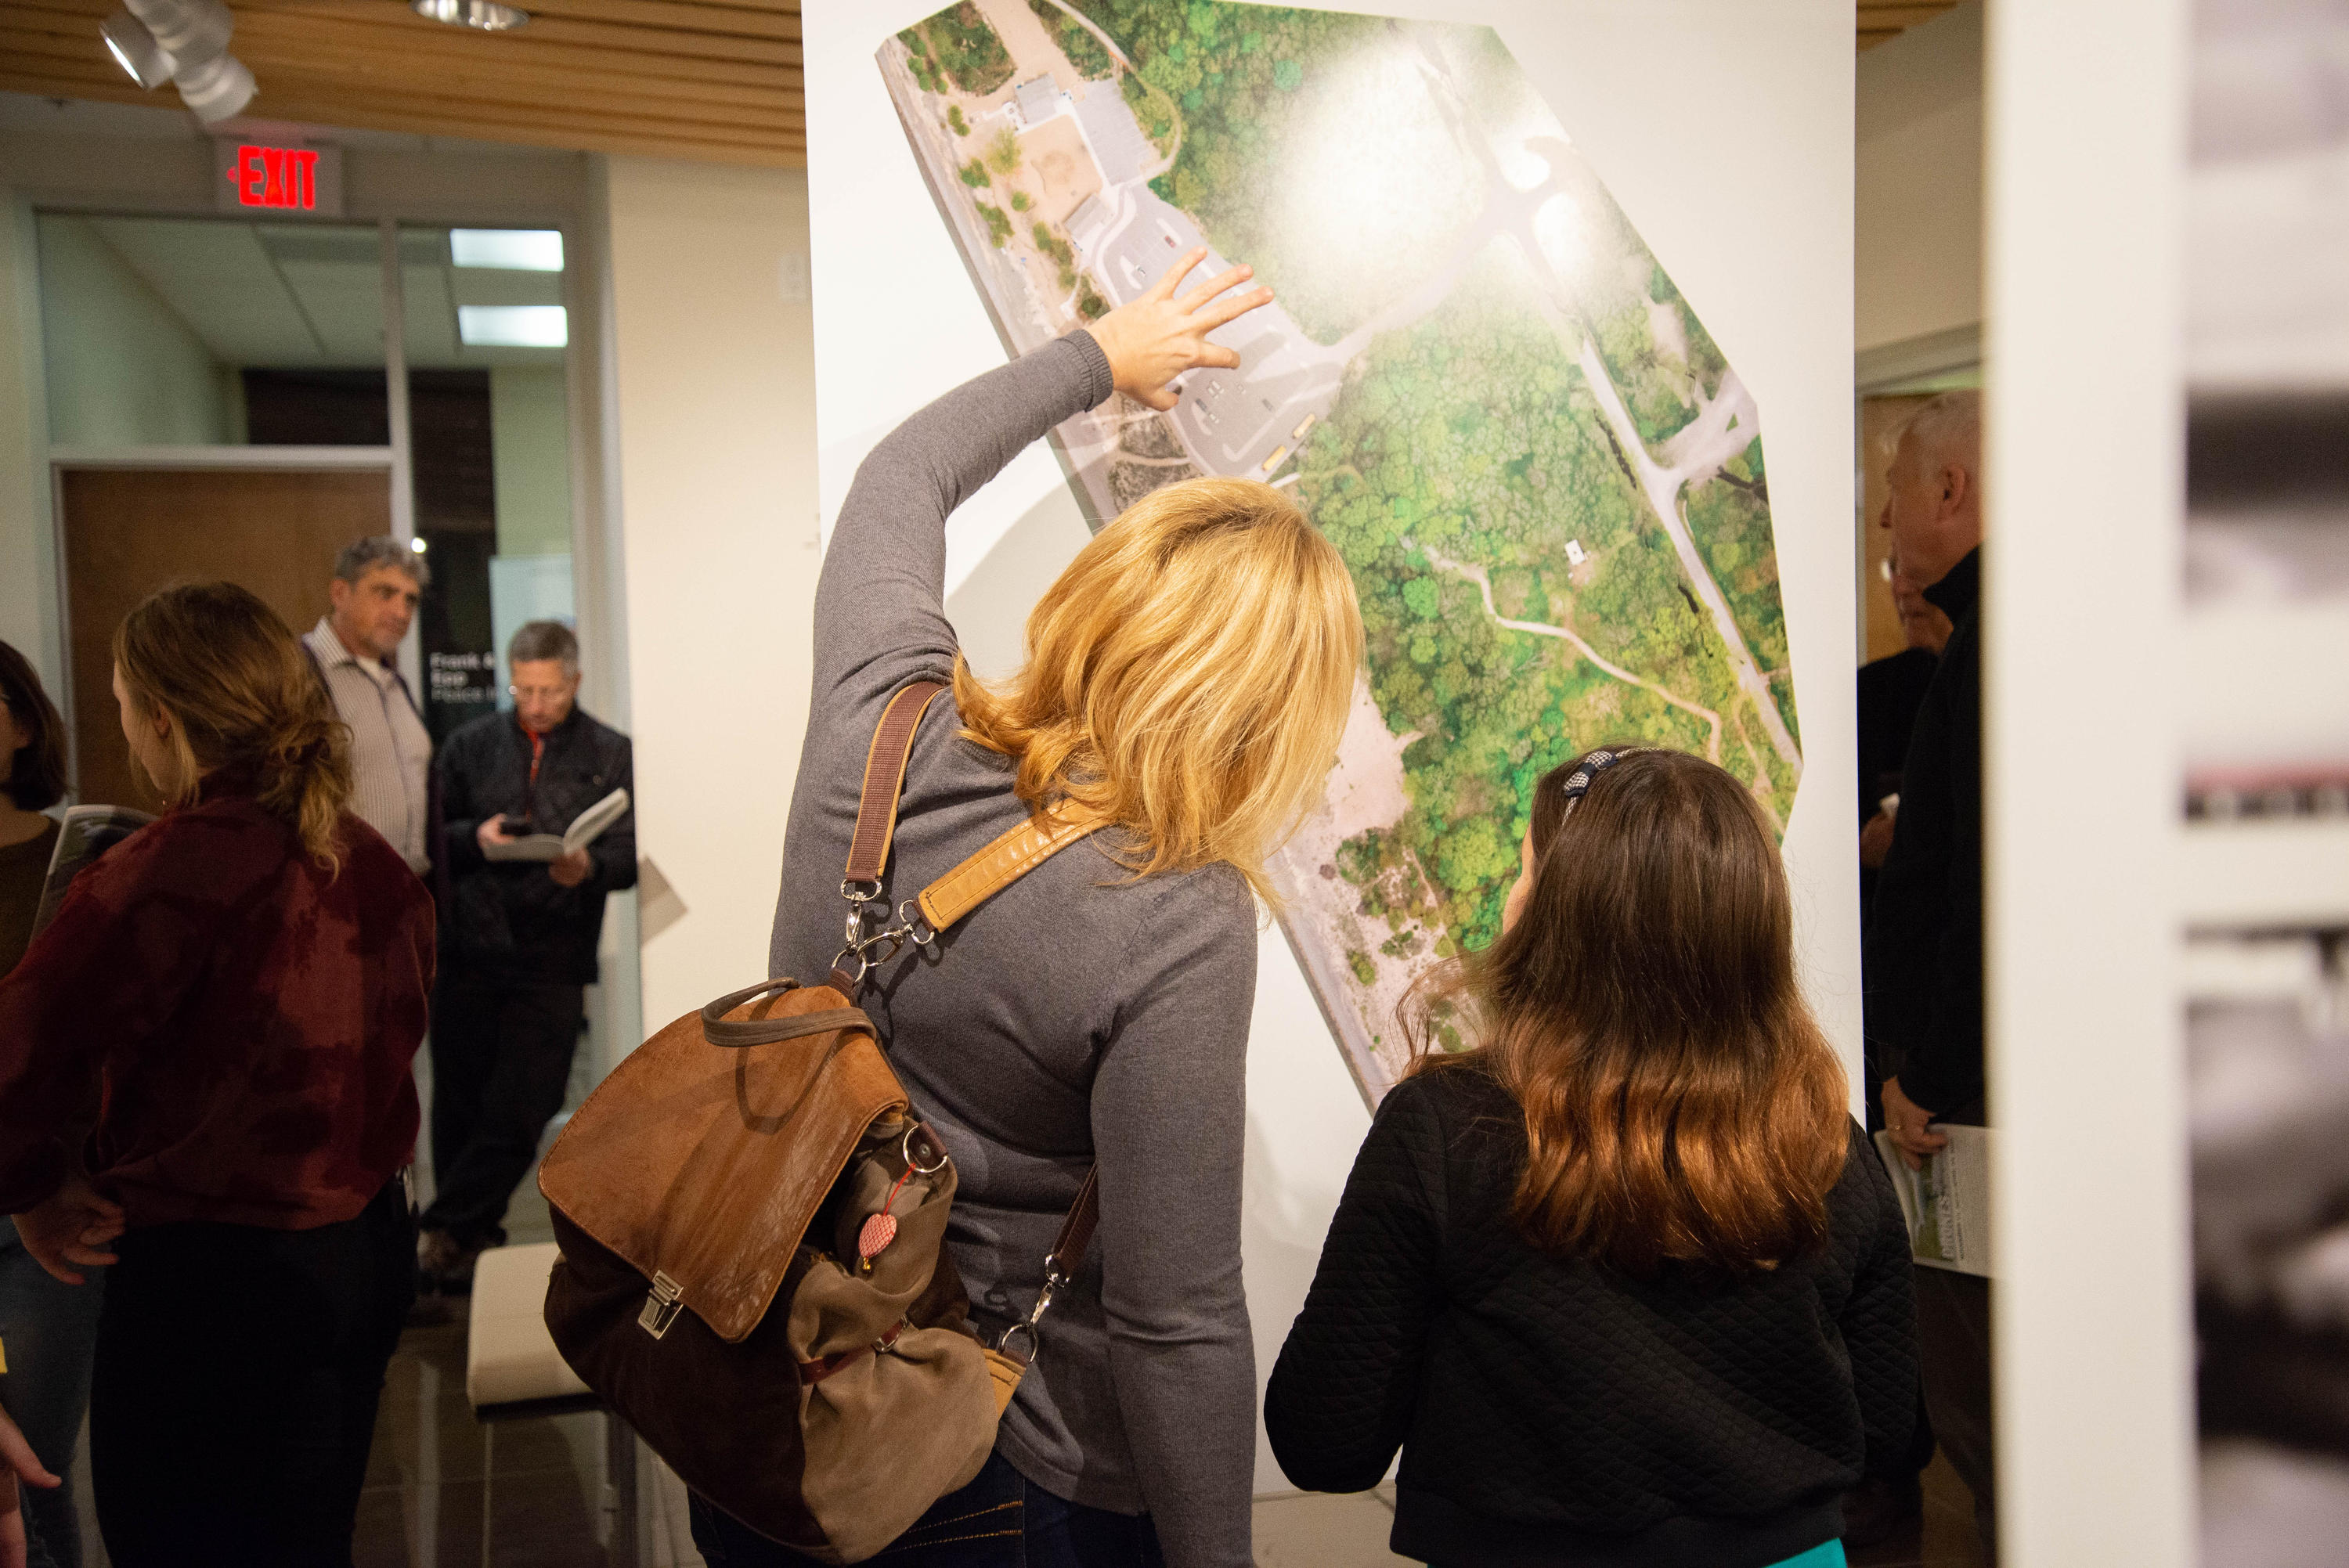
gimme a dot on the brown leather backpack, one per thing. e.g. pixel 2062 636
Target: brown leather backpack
pixel 751 1217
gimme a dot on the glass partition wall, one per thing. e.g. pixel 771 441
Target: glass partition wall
pixel 484 336
pixel 424 366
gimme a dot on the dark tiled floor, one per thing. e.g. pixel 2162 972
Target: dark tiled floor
pixel 445 1488
pixel 1946 1538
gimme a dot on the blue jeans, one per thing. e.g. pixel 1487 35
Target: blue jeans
pixel 1002 1519
pixel 50 1329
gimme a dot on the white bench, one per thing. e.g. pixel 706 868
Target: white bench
pixel 512 1370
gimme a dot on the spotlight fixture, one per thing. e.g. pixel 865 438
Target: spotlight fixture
pixel 486 15
pixel 134 48
pixel 186 42
pixel 216 90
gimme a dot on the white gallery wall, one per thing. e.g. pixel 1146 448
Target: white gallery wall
pixel 1918 246
pixel 1724 129
pixel 714 437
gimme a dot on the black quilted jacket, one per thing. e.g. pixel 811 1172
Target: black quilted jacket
pixel 1552 1412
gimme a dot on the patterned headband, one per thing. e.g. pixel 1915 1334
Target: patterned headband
pixel 1578 783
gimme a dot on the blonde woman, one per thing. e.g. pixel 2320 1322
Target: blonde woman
pixel 232 996
pixel 1189 674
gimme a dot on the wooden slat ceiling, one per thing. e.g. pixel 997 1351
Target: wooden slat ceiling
pixel 680 78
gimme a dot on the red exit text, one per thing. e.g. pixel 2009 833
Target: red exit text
pixel 276 177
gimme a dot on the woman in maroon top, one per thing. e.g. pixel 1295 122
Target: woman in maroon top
pixel 204 1068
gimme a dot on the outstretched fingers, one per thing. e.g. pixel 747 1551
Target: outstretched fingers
pixel 1230 309
pixel 1172 278
pixel 1229 278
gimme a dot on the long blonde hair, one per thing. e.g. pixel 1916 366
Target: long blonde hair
pixel 1188 676
pixel 244 701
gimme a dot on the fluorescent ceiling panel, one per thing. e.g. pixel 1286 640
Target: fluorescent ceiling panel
pixel 508 250
pixel 513 326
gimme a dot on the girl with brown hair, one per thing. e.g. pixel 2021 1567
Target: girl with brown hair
pixel 204 1088
pixel 1623 1280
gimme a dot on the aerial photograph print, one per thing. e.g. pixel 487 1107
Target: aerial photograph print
pixel 1475 380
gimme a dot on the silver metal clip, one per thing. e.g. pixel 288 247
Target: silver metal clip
pixel 661 1306
pixel 1027 1325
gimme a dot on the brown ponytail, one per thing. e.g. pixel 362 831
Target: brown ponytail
pixel 243 702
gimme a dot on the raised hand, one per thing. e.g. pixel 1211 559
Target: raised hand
pixel 1152 340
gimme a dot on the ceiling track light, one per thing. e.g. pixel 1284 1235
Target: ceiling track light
pixel 487 15
pixel 134 48
pixel 186 43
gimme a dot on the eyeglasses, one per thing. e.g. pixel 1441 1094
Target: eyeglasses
pixel 538 693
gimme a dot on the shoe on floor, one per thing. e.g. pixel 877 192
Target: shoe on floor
pixel 444 1265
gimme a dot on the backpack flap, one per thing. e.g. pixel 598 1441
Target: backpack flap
pixel 703 1168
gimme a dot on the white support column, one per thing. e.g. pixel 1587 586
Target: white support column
pixel 403 470
pixel 2083 464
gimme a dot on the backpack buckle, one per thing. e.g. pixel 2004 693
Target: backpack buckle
pixel 661 1308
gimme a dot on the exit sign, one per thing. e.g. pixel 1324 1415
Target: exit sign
pixel 278 176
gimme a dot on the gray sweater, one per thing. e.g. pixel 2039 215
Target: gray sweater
pixel 1078 1016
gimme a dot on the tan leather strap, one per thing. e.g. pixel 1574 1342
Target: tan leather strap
pixel 885 777
pixel 1012 855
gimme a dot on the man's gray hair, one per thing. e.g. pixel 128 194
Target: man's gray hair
pixel 362 556
pixel 539 640
pixel 1947 430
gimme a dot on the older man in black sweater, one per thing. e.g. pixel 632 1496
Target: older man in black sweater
pixel 517 941
pixel 1924 951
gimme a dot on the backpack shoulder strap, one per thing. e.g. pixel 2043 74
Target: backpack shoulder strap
pixel 885 779
pixel 1012 855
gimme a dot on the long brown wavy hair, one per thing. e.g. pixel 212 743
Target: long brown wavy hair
pixel 1681 1103
pixel 244 701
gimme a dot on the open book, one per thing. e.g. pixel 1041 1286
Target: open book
pixel 584 831
pixel 88 832
pixel 1947 1204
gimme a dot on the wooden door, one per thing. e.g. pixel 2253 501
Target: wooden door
pixel 129 532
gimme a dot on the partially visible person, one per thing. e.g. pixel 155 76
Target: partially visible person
pixel 518 945
pixel 372 598
pixel 33 745
pixel 1624 1281
pixel 52 1326
pixel 20 1546
pixel 205 1089
pixel 1922 963
pixel 1892 689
